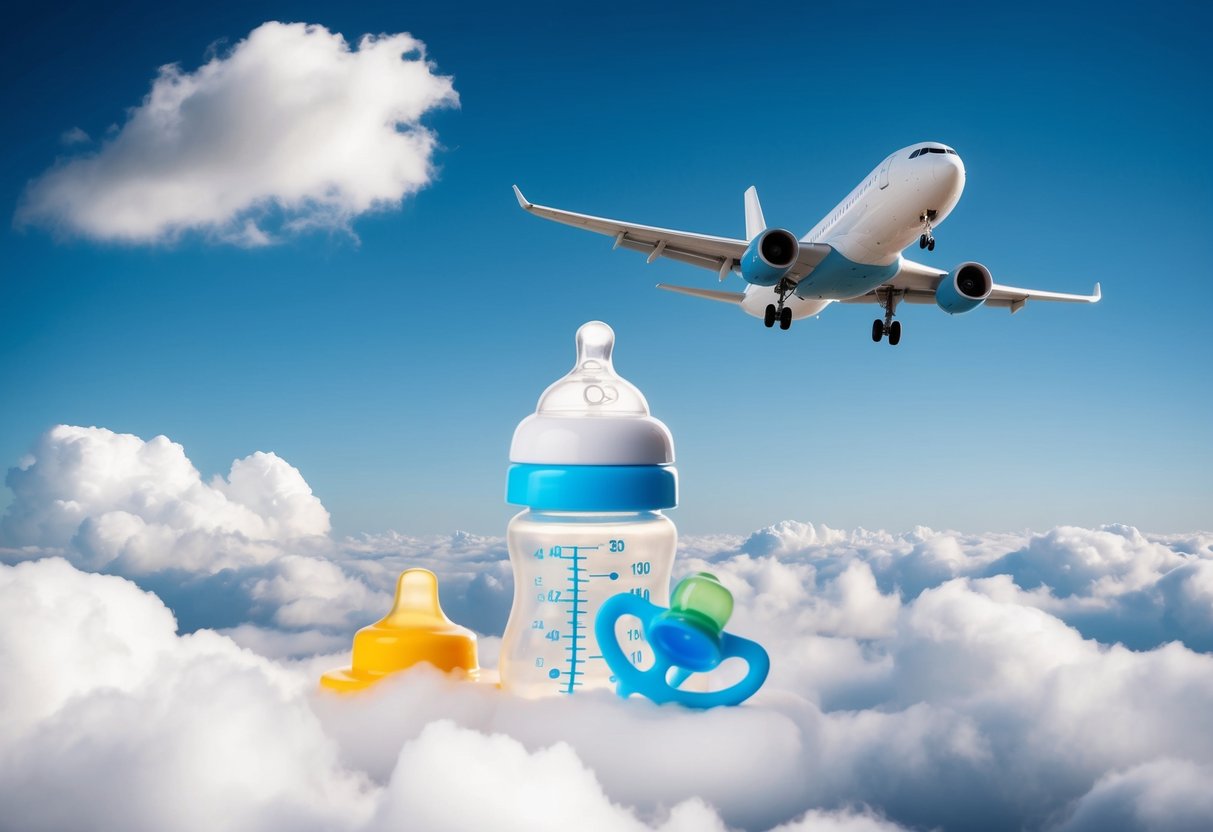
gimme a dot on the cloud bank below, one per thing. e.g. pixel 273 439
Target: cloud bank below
pixel 293 129
pixel 1057 681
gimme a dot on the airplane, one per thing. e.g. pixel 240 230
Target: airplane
pixel 854 255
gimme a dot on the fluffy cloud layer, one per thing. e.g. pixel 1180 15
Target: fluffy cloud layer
pixel 292 128
pixel 113 500
pixel 922 680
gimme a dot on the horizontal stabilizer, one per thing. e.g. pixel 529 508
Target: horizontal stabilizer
pixel 710 294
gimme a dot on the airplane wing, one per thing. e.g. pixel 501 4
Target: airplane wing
pixel 916 283
pixel 719 254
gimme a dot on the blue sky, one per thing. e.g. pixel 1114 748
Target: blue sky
pixel 391 370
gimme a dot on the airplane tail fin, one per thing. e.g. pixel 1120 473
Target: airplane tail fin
pixel 755 223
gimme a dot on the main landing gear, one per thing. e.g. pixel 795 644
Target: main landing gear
pixel 927 240
pixel 777 311
pixel 888 326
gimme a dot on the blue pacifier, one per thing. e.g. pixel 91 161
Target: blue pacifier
pixel 688 637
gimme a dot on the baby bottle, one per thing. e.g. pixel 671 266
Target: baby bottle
pixel 594 470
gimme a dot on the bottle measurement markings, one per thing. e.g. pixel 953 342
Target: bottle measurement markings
pixel 576 602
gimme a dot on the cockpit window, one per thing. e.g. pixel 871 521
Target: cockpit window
pixel 923 151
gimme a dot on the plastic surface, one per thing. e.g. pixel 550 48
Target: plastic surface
pixel 565 566
pixel 592 416
pixel 592 466
pixel 416 630
pixel 686 638
pixel 592 487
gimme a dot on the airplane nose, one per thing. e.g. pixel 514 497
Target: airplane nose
pixel 947 170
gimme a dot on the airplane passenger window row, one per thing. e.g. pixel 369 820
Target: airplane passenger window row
pixel 932 150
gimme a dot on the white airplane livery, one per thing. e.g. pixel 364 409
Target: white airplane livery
pixel 852 256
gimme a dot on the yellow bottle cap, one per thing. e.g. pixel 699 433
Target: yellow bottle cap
pixel 416 630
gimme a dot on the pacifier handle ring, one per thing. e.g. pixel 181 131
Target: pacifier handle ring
pixel 630 679
pixel 750 652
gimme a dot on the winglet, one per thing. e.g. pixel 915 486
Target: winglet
pixel 522 199
pixel 1098 294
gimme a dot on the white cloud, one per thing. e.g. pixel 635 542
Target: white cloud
pixel 997 716
pixel 111 721
pixel 112 501
pixel 788 536
pixel 74 136
pixel 1160 796
pixel 292 129
pixel 549 789
pixel 840 821
pixel 924 680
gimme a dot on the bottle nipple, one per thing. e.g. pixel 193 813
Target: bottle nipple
pixel 416 603
pixel 416 630
pixel 592 387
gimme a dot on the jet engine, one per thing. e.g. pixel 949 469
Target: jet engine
pixel 964 288
pixel 769 257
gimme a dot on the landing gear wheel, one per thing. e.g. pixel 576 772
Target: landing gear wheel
pixel 922 241
pixel 785 317
pixel 887 298
pixel 769 318
pixel 931 244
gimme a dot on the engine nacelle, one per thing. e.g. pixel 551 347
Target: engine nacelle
pixel 769 257
pixel 964 288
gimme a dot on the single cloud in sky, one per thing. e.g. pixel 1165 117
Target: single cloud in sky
pixel 293 129
pixel 74 136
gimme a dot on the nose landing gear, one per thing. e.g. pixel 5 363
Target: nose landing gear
pixel 777 311
pixel 927 240
pixel 888 326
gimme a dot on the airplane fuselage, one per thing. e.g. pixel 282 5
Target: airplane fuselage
pixel 911 191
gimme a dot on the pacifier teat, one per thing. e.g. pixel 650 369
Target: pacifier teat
pixel 592 387
pixel 689 632
pixel 416 630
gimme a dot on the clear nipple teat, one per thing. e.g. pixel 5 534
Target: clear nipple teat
pixel 592 387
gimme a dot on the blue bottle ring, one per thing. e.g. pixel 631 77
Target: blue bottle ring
pixel 592 487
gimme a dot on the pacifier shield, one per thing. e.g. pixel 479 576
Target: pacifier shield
pixel 683 643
